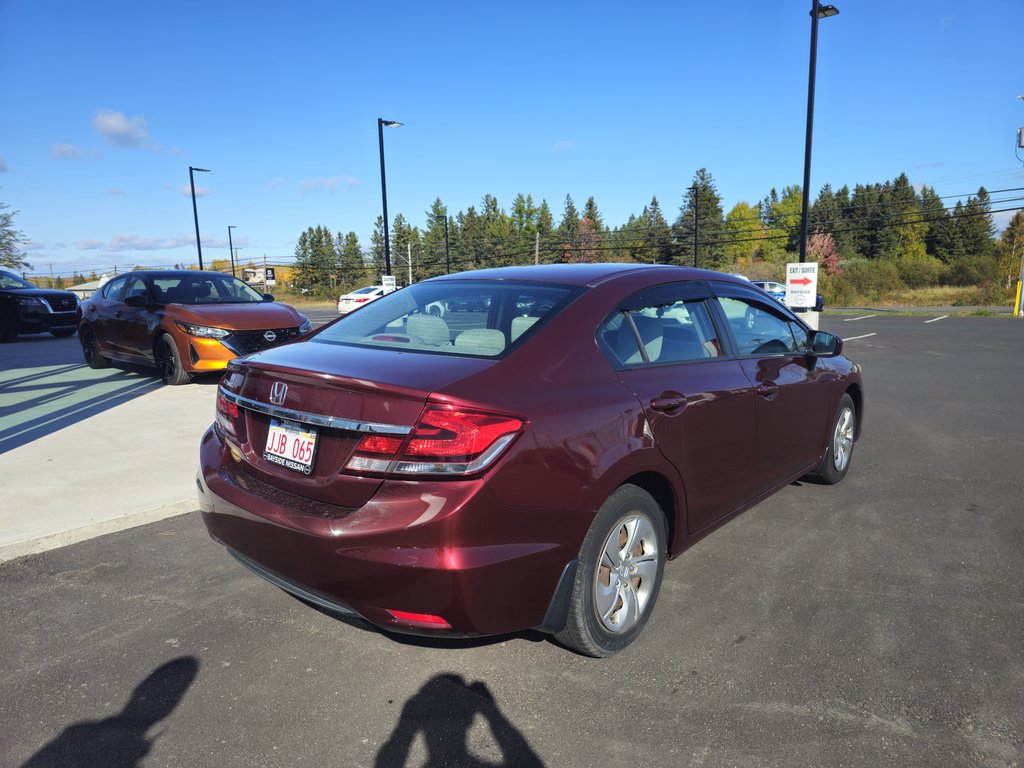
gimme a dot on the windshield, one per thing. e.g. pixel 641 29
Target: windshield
pixel 455 317
pixel 203 288
pixel 9 280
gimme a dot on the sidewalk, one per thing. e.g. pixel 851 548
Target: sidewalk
pixel 125 452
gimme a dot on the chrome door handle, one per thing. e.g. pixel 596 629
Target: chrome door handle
pixel 767 390
pixel 668 403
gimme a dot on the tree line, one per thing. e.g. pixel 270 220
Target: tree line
pixel 914 237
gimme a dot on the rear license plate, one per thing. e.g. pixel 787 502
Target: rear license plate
pixel 291 445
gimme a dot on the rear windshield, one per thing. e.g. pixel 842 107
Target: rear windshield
pixel 453 317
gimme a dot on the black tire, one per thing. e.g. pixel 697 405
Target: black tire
pixel 840 444
pixel 627 589
pixel 91 350
pixel 63 333
pixel 8 328
pixel 168 363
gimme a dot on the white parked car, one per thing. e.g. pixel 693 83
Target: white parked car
pixel 358 298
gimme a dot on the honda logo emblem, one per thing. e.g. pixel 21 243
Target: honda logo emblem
pixel 278 392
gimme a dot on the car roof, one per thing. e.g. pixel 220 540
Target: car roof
pixel 586 274
pixel 169 273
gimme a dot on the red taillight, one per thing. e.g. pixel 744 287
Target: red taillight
pixel 360 301
pixel 229 417
pixel 427 620
pixel 445 441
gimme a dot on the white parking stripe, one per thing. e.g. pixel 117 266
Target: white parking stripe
pixel 851 338
pixel 863 317
pixel 936 319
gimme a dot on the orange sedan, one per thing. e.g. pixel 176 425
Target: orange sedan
pixel 182 322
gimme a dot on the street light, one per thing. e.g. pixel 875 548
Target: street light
pixel 381 122
pixel 195 212
pixel 817 12
pixel 231 248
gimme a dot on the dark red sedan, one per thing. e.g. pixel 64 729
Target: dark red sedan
pixel 531 463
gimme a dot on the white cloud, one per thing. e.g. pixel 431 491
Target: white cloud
pixel 186 191
pixel 137 243
pixel 277 183
pixel 328 183
pixel 120 130
pixel 66 152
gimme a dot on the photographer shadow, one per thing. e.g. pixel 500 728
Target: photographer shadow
pixel 443 711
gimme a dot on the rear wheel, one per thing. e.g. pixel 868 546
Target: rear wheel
pixel 619 574
pixel 169 363
pixel 91 350
pixel 836 461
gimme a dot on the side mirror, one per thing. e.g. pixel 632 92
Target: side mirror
pixel 268 297
pixel 824 345
pixel 136 301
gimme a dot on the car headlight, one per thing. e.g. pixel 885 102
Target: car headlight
pixel 204 331
pixel 306 326
pixel 29 302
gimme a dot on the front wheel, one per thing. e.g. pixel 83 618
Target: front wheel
pixel 169 363
pixel 619 574
pixel 836 461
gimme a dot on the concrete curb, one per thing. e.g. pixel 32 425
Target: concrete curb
pixel 17 549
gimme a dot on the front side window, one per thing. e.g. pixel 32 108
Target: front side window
pixel 662 326
pixel 9 280
pixel 455 317
pixel 759 330
pixel 114 289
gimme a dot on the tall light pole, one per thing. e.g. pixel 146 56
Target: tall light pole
pixel 231 247
pixel 817 12
pixel 381 122
pixel 195 211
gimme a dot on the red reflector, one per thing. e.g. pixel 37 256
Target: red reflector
pixel 420 619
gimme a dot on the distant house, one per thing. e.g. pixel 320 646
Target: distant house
pixel 85 290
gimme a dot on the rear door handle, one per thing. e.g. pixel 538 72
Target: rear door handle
pixel 767 390
pixel 668 403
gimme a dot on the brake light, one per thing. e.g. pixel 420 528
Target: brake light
pixel 445 441
pixel 229 416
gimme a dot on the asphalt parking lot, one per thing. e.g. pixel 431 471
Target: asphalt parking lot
pixel 878 622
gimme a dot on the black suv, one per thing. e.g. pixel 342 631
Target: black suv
pixel 27 309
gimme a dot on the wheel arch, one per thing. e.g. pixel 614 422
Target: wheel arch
pixel 662 491
pixel 857 395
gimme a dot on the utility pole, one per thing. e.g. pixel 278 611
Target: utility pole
pixel 447 254
pixel 408 247
pixel 696 220
pixel 536 247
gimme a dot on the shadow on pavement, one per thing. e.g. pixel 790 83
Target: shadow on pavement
pixel 121 741
pixel 443 712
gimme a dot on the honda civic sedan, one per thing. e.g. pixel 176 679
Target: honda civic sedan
pixel 530 465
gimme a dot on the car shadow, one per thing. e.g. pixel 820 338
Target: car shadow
pixel 123 740
pixel 443 712
pixel 40 395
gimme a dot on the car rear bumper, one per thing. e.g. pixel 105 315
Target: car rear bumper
pixel 444 549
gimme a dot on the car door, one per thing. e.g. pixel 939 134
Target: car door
pixel 791 388
pixel 698 402
pixel 133 320
pixel 100 314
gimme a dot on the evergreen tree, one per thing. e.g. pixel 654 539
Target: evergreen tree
pixel 701 206
pixel 10 239
pixel 378 263
pixel 433 241
pixel 568 229
pixel 351 263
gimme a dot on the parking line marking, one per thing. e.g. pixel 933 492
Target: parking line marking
pixel 936 319
pixel 851 338
pixel 851 319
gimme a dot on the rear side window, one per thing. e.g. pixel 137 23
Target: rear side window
pixel 659 331
pixel 453 317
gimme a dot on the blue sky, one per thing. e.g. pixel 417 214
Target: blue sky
pixel 108 104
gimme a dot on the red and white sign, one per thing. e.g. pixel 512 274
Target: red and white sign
pixel 802 284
